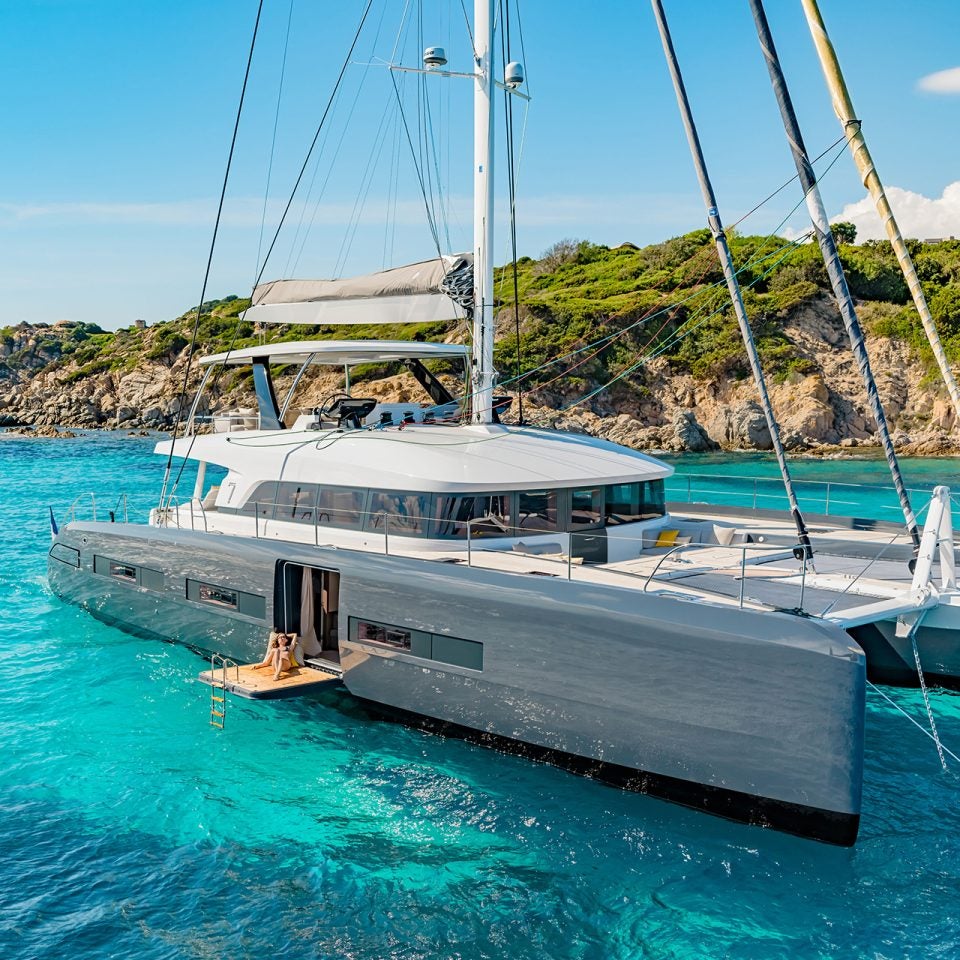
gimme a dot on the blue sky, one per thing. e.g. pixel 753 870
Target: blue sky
pixel 117 117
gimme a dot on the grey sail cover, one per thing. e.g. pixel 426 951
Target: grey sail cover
pixel 438 289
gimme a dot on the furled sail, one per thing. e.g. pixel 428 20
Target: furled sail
pixel 438 289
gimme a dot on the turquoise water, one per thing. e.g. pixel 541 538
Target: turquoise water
pixel 131 828
pixel 857 486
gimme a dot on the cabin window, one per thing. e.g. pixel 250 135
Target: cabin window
pixel 586 507
pixel 340 506
pixel 490 515
pixel 295 502
pixel 537 510
pixel 406 513
pixel 654 499
pixel 629 502
pixel 262 500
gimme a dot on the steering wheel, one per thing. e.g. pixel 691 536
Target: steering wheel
pixel 329 404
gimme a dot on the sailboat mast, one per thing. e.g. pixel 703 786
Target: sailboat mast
pixel 729 273
pixel 483 373
pixel 831 257
pixel 843 107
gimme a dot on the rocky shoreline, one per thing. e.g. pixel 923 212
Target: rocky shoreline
pixel 821 411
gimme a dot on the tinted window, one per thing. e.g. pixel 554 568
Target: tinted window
pixel 382 633
pixel 339 506
pixel 402 513
pixel 219 596
pixel 295 502
pixel 490 515
pixel 586 507
pixel 123 571
pixel 537 510
pixel 623 503
pixel 262 499
pixel 628 502
pixel 654 502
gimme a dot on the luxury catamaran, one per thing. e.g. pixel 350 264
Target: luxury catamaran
pixel 520 586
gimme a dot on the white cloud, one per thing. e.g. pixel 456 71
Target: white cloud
pixel 943 81
pixel 918 216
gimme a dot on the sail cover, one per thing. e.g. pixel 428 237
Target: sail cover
pixel 438 289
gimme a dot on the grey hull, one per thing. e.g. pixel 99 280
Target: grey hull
pixel 749 714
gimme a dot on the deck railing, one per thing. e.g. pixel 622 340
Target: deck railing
pixel 394 529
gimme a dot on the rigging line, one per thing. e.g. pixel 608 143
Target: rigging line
pixel 796 206
pixel 391 186
pixel 313 179
pixel 293 192
pixel 511 188
pixel 432 152
pixel 646 318
pixel 330 167
pixel 413 154
pixel 273 242
pixel 403 20
pixel 523 49
pixel 466 19
pixel 785 184
pixel 316 137
pixel 213 243
pixel 366 181
pixel 668 343
pixel 921 728
pixel 273 139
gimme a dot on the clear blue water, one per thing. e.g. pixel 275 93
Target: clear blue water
pixel 131 828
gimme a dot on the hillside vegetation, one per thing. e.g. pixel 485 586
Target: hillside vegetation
pixel 639 320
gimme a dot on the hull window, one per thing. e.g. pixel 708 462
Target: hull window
pixel 249 604
pixel 128 573
pixel 430 646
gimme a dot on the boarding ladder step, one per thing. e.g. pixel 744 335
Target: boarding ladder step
pixel 218 688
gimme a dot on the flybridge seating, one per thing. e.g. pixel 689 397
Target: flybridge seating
pixel 338 410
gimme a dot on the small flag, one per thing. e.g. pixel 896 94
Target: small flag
pixel 54 530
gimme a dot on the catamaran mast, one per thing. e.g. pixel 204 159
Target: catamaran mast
pixel 483 372
pixel 843 107
pixel 729 273
pixel 831 257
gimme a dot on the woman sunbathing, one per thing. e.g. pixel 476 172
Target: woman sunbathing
pixel 279 653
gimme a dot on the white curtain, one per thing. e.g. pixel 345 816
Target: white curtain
pixel 308 631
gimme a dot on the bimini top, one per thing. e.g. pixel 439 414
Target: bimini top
pixel 339 352
pixel 425 292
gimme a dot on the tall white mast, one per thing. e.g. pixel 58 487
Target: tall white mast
pixel 482 378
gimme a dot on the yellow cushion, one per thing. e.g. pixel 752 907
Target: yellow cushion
pixel 667 538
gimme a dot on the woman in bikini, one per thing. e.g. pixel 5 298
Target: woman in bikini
pixel 279 653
